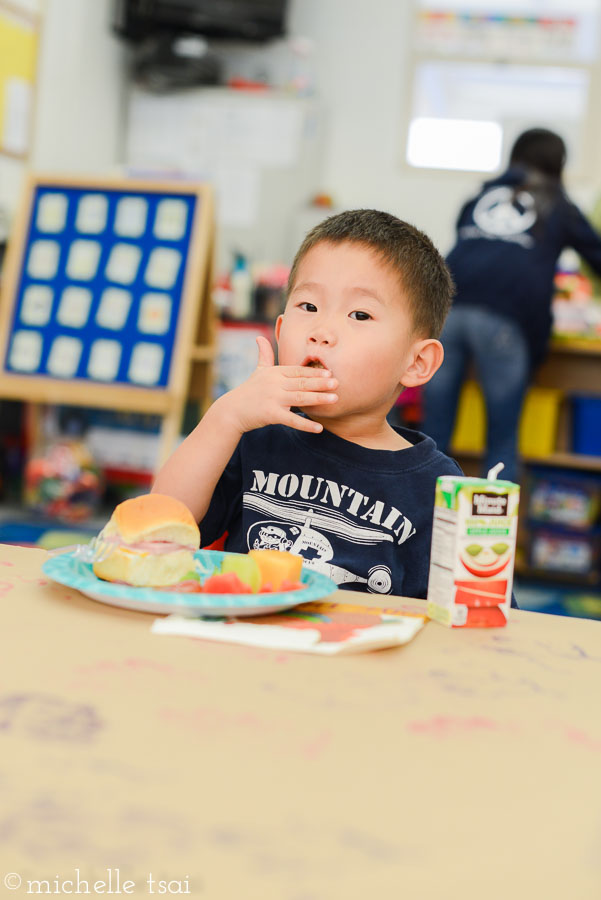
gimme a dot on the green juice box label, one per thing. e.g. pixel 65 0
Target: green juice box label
pixel 473 551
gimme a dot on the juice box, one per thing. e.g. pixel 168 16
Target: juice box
pixel 473 551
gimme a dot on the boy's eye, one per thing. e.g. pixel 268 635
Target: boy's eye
pixel 308 307
pixel 360 315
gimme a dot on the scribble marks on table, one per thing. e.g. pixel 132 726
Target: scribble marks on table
pixel 46 717
pixel 44 825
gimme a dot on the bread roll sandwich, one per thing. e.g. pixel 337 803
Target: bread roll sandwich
pixel 149 541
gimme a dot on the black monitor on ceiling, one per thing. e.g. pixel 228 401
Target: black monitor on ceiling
pixel 238 20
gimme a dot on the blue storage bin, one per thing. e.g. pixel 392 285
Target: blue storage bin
pixel 587 425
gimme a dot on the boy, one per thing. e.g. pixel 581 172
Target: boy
pixel 335 483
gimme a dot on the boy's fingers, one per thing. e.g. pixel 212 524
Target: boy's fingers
pixel 310 384
pixel 266 355
pixel 305 372
pixel 302 424
pixel 309 398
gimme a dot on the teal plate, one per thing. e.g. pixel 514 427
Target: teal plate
pixel 71 571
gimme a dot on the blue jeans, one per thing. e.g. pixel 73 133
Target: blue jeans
pixel 499 351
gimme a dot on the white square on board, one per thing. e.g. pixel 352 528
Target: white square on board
pixel 171 219
pixel 83 260
pixel 43 259
pixel 162 268
pixel 113 309
pixel 123 263
pixel 146 363
pixel 132 213
pixel 64 356
pixel 105 356
pixel 25 351
pixel 52 212
pixel 36 304
pixel 92 212
pixel 155 313
pixel 74 307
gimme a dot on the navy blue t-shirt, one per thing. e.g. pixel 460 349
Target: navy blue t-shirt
pixel 362 517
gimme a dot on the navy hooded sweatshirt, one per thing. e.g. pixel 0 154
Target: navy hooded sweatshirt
pixel 509 239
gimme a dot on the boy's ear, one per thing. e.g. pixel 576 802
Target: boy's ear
pixel 427 357
pixel 278 327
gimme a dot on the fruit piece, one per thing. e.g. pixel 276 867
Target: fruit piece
pixel 189 586
pixel 225 584
pixel 285 586
pixel 245 567
pixel 277 566
pixel 192 575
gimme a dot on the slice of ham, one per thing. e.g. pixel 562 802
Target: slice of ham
pixel 157 548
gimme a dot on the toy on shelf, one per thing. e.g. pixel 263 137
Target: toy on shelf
pixel 64 482
pixel 570 501
pixel 562 552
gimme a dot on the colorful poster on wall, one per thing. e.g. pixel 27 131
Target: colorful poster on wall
pixel 18 55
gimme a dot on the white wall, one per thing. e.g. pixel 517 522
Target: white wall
pixel 78 122
pixel 362 71
pixel 362 68
pixel 78 113
pixel 11 169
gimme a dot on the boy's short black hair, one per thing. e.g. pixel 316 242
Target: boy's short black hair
pixel 422 271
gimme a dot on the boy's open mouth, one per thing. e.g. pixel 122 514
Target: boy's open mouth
pixel 314 363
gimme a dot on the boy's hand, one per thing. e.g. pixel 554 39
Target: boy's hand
pixel 266 397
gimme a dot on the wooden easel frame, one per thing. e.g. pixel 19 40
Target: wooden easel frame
pixel 194 337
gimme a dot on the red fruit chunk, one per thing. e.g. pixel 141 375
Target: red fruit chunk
pixel 190 586
pixel 225 584
pixel 285 586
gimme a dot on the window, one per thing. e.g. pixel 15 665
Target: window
pixel 483 72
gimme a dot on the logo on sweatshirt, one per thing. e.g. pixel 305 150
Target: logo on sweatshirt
pixel 503 212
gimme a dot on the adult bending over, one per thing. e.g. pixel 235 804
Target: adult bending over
pixel 509 238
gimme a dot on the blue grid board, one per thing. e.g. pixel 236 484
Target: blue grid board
pixel 128 336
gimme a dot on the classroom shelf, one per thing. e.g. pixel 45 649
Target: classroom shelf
pixel 578 346
pixel 572 366
pixel 573 578
pixel 557 460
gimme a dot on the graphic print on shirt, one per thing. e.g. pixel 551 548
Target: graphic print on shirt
pixel 292 518
pixel 503 214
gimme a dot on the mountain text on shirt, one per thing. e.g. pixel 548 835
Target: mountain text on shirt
pixel 314 488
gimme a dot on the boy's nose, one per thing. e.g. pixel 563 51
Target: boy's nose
pixel 322 335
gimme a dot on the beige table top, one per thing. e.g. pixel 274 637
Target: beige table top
pixel 466 764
